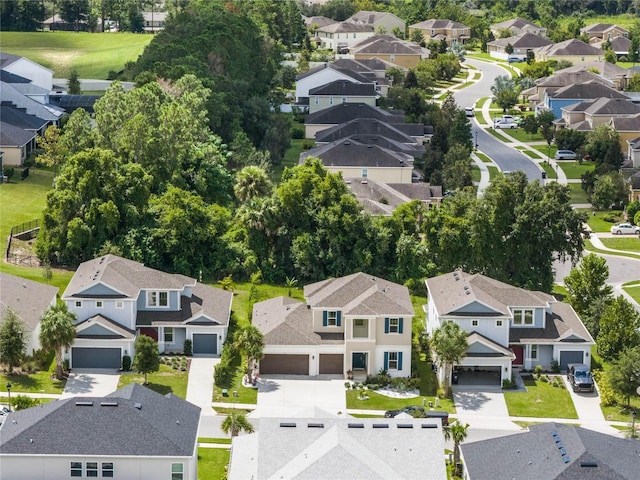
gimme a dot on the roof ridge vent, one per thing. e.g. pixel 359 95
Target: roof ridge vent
pixel 84 404
pixel 108 404
pixel 380 425
pixel 315 425
pixel 405 425
pixel 355 425
pixel 287 424
pixel 429 425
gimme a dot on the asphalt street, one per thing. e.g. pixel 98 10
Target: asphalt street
pixel 508 159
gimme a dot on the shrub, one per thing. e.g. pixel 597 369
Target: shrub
pixel 187 348
pixel 9 172
pixel 557 382
pixel 555 366
pixel 544 379
pixel 66 366
pixel 29 366
pixel 126 363
pixel 441 393
pixel 538 370
pixel 381 378
pixel 347 385
pixel 609 217
pixel 223 375
pixel 399 384
pixel 21 402
pixel 43 358
pixel 307 144
pixel 607 395
pixel 297 133
pixel 507 384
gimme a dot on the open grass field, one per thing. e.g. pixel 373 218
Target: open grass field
pixel 577 194
pixel 166 380
pixel 93 55
pixel 212 463
pixel 540 400
pixel 629 244
pixel 597 223
pixel 575 170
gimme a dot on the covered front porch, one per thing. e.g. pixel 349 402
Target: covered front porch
pixel 171 338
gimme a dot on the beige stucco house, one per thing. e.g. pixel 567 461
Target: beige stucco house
pixel 521 44
pixel 434 29
pixel 518 26
pixel 341 91
pixel 574 51
pixel 390 49
pixel 358 323
pixel 382 22
pixel 604 31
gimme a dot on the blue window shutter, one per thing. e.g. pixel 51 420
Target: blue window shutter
pixel 400 321
pixel 399 360
pixel 324 318
pixel 338 318
pixel 386 328
pixel 386 360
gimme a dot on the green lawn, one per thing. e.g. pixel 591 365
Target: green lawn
pixel 544 150
pixel 577 194
pixel 633 289
pixel 589 246
pixel 540 400
pixel 93 55
pixel 40 382
pixel 493 172
pixel 475 173
pixel 483 157
pixel 212 463
pixel 520 134
pixel 551 173
pixel 225 441
pixel 480 117
pixel 497 134
pixel 530 153
pixel 574 170
pixel 167 380
pixel 245 394
pixel 629 244
pixel 596 222
pixel 378 401
pixel 264 292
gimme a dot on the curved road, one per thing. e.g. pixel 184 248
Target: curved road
pixel 507 158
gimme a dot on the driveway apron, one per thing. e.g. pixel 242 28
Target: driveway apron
pixel 200 383
pixel 588 410
pixel 91 383
pixel 482 407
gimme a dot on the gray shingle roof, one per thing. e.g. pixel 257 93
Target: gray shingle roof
pixel 350 111
pixel 28 299
pixel 12 136
pixel 605 69
pixel 626 124
pixel 414 150
pixel 565 77
pixel 118 330
pixel 318 20
pixel 399 132
pixel 571 47
pixel 535 455
pixel 349 153
pixel 162 426
pixel 7 59
pixel 618 45
pixel 346 27
pixel 528 40
pixel 10 94
pixel 360 294
pixel 561 325
pixel 286 321
pixel 337 451
pixel 123 275
pixel 587 90
pixel 387 44
pixel 345 87
pixel 437 24
pixel 369 17
pixel 606 106
pixel 514 22
pixel 205 301
pixel 19 118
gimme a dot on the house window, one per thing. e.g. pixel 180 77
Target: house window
pixel 394 325
pixel 523 317
pixel 330 100
pixel 498 323
pixel 359 322
pixel 98 303
pixel 92 469
pixel 107 469
pixel 365 172
pixel 332 319
pixel 177 471
pixel 344 99
pixel 76 469
pixel 534 352
pixel 157 299
pixel 354 35
pixel 528 317
pixel 119 304
pixel 317 101
pixel 474 323
pixel 78 303
pixel 455 32
pixel 168 334
pixel 393 360
pixel 392 58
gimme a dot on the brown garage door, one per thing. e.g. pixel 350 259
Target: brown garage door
pixel 285 364
pixel 331 363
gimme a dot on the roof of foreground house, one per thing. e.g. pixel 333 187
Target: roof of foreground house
pixel 387 45
pixel 370 17
pixel 132 421
pixel 349 111
pixel 587 90
pixel 528 40
pixel 606 106
pixel 345 88
pixel 346 27
pixel 318 20
pixel 340 448
pixel 571 47
pixel 125 276
pixel 28 299
pixel 554 452
pixel 351 153
pixel 561 325
pixel 600 28
pixel 437 24
pixel 514 23
pixel 12 136
pixel 360 294
pixel 400 132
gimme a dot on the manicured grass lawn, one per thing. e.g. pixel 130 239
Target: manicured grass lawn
pixel 212 463
pixel 60 279
pixel 551 173
pixel 93 55
pixel 480 117
pixel 574 170
pixel 40 382
pixel 483 157
pixel 630 244
pixel 226 441
pixel 596 222
pixel 493 172
pixel 475 173
pixel 496 133
pixel 625 20
pixel 531 154
pixel 589 246
pixel 520 134
pixel 618 413
pixel 544 150
pixel 559 292
pixel 167 380
pixel 540 400
pixel 377 401
pixel 241 301
pixel 633 289
pixel 577 194
pixel 245 394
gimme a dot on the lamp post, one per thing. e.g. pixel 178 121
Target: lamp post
pixel 9 394
pixel 633 423
pixel 476 140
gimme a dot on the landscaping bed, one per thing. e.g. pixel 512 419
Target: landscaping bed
pixel 542 399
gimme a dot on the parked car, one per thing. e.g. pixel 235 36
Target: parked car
pixel 565 155
pixel 504 124
pixel 4 411
pixel 625 228
pixel 580 378
pixel 469 112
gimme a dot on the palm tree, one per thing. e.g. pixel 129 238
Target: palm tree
pixel 291 283
pixel 236 423
pixel 252 181
pixel 251 342
pixel 57 331
pixel 449 343
pixel 457 432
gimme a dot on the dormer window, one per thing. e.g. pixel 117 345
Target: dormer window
pixel 523 317
pixel 157 299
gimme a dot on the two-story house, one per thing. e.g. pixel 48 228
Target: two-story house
pixel 340 36
pixel 591 114
pixel 382 22
pixel 358 323
pixel 521 44
pixel 452 32
pixel 603 31
pixel 518 26
pixel 577 93
pixel 115 299
pixel 390 49
pixel 508 326
pixel 341 91
pixel 573 51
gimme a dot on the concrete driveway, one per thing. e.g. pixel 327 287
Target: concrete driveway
pixel 91 383
pixel 200 383
pixel 482 407
pixel 588 410
pixel 291 396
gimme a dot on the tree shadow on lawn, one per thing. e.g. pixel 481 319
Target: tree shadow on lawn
pixel 156 387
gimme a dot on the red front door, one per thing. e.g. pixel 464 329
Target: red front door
pixel 519 351
pixel 149 332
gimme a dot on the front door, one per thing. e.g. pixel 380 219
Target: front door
pixel 359 361
pixel 518 350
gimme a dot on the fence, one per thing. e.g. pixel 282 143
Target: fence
pixel 24 231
